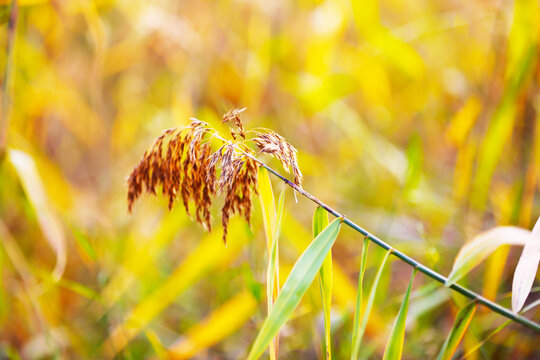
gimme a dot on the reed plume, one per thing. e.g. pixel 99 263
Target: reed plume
pixel 183 163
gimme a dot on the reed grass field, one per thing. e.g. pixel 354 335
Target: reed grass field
pixel 269 179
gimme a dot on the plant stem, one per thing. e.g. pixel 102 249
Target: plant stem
pixel 415 264
pixel 4 114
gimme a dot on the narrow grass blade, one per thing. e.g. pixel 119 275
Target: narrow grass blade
pixel 320 221
pixel 268 209
pixel 394 346
pixel 526 269
pixel 301 276
pixel 272 275
pixel 459 328
pixel 355 348
pixel 369 304
pixel 47 219
pixel 474 252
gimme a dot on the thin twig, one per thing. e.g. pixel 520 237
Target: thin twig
pixel 407 259
pixel 4 114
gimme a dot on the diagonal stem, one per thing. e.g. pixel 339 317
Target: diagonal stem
pixel 415 264
pixel 407 259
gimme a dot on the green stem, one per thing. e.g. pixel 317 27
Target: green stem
pixel 407 259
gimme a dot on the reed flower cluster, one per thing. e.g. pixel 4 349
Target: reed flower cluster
pixel 183 162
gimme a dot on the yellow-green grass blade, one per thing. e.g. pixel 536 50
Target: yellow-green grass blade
pixel 48 221
pixel 268 209
pixel 356 337
pixel 459 328
pixel 272 273
pixel 320 221
pixel 369 305
pixel 394 346
pixel 299 280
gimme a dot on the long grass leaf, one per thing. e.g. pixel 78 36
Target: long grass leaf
pixel 47 219
pixel 300 277
pixel 272 275
pixel 394 346
pixel 320 221
pixel 299 238
pixel 268 209
pixel 526 269
pixel 355 348
pixel 459 328
pixel 475 251
pixel 369 304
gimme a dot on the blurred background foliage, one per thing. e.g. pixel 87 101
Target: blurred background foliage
pixel 419 120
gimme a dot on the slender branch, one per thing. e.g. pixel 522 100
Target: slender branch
pixel 407 259
pixel 4 114
pixel 415 264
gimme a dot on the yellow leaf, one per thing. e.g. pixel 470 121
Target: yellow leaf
pixel 475 251
pixel 47 219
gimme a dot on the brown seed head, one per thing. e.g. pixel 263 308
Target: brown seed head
pixel 182 163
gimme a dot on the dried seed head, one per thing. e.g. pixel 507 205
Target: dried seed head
pixel 274 144
pixel 178 161
pixel 235 115
pixel 181 161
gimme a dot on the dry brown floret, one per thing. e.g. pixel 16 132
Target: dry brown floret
pixel 181 161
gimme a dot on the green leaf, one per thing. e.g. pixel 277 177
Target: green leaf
pixel 355 348
pixel 301 276
pixel 320 221
pixel 369 305
pixel 461 325
pixel 475 251
pixel 394 346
